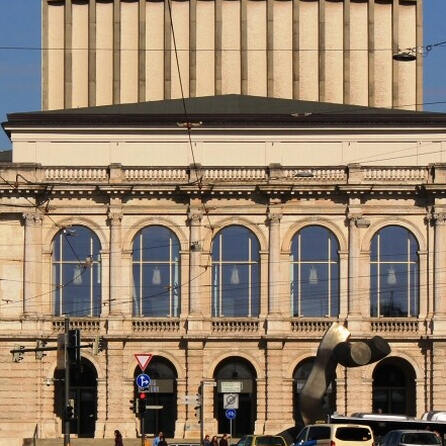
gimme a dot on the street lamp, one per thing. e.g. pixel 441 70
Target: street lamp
pixel 405 56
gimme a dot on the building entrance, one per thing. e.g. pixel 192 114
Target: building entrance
pixel 236 375
pixel 161 392
pixel 83 397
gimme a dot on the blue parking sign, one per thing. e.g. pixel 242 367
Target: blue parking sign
pixel 230 414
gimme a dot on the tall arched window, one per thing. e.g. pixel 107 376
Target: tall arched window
pixel 156 273
pixel 235 273
pixel 394 278
pixel 314 273
pixel 76 272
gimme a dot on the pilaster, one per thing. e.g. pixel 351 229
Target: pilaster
pixel 439 319
pixel 32 263
pixel 116 298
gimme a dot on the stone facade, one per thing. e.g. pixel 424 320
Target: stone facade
pixel 115 51
pixel 248 177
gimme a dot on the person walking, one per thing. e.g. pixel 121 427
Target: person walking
pixel 224 440
pixel 156 440
pixel 206 440
pixel 214 441
pixel 118 438
pixel 162 441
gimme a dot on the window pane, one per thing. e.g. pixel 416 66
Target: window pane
pixel 393 244
pixel 374 290
pixel 156 242
pixel 255 291
pixel 314 288
pixel 136 291
pixel 155 290
pixel 334 289
pixel 314 243
pixel 235 294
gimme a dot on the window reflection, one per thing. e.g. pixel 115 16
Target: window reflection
pixel 394 268
pixel 235 273
pixel 76 272
pixel 314 264
pixel 156 273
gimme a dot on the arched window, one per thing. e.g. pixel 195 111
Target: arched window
pixel 76 272
pixel 314 282
pixel 156 273
pixel 235 273
pixel 394 387
pixel 394 278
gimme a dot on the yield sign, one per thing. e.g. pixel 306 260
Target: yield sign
pixel 143 359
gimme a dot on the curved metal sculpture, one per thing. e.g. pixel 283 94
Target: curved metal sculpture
pixel 335 349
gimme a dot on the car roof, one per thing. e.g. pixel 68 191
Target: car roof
pixel 411 431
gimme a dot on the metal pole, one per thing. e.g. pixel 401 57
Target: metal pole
pixel 230 427
pixel 202 413
pixel 143 431
pixel 66 437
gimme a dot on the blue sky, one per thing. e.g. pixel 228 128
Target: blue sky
pixel 20 69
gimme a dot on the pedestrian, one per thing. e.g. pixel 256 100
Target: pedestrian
pixel 162 441
pixel 118 438
pixel 156 440
pixel 214 441
pixel 224 440
pixel 206 440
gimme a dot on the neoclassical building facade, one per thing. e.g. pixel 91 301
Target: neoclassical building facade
pixel 224 243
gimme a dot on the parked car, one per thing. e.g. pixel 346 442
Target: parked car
pixel 335 435
pixel 410 437
pixel 262 440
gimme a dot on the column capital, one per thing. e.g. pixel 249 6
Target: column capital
pixel 439 217
pixel 273 217
pixel 32 218
pixel 357 220
pixel 114 216
pixel 194 217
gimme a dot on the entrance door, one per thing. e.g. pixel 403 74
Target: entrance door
pixel 83 397
pixel 161 392
pixel 236 375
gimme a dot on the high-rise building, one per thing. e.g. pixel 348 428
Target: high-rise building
pixel 100 52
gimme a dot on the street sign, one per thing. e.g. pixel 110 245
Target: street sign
pixel 143 381
pixel 230 414
pixel 143 359
pixel 230 401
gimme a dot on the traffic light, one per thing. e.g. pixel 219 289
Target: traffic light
pixel 134 405
pixel 142 402
pixel 74 352
pixel 69 412
pixel 197 413
pixel 40 344
pixel 18 356
pixel 99 344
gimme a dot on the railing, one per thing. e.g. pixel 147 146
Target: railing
pixel 310 326
pixel 234 174
pixel 413 174
pixel 156 325
pixel 395 326
pixel 156 174
pixel 76 174
pixel 84 324
pixel 255 174
pixel 235 326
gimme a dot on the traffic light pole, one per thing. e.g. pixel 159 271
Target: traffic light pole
pixel 202 413
pixel 66 436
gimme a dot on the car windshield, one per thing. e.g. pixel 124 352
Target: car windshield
pixel 269 441
pixel 353 434
pixel 420 438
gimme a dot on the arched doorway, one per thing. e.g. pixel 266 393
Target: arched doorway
pixel 300 375
pixel 394 387
pixel 161 392
pixel 236 375
pixel 83 396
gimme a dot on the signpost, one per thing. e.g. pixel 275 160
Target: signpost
pixel 230 414
pixel 143 381
pixel 143 360
pixel 230 401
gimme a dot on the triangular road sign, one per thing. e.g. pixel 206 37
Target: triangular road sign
pixel 143 359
